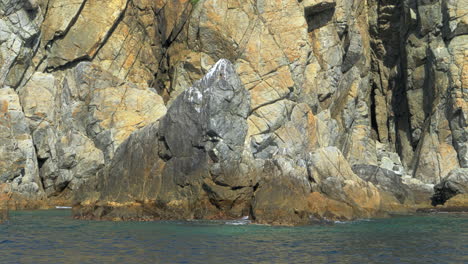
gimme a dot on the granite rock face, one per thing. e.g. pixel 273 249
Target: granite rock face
pixel 191 162
pixel 18 161
pixel 419 64
pixel 78 119
pixel 20 22
pixel 195 163
pixel 323 109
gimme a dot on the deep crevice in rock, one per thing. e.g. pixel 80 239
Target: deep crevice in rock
pixel 373 113
pixel 62 35
pixel 112 28
pixel 67 66
pixel 317 18
pixel 41 161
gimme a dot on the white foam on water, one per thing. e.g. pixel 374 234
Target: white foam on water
pixel 354 221
pixel 63 207
pixel 237 222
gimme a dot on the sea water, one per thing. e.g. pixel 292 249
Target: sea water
pixel 54 237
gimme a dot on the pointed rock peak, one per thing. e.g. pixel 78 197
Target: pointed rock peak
pixel 222 70
pixel 216 106
pixel 219 86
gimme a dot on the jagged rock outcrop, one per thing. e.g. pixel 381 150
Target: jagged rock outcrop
pixel 378 86
pixel 190 163
pixel 77 120
pixel 195 163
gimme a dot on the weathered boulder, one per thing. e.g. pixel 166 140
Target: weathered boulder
pixel 335 178
pixel 396 195
pixel 94 19
pixel 322 188
pixel 454 184
pixel 384 179
pixel 273 203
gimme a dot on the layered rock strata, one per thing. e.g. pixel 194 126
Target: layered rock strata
pixel 330 108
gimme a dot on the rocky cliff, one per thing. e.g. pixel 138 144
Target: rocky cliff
pixel 285 111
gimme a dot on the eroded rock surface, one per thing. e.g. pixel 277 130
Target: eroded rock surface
pixel 194 163
pixel 18 162
pixel 376 87
pixel 190 163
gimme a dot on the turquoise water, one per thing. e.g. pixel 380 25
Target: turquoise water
pixel 54 237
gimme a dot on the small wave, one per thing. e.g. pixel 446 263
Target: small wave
pixel 63 207
pixel 340 222
pixel 354 221
pixel 237 222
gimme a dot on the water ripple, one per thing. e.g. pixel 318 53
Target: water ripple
pixel 54 237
